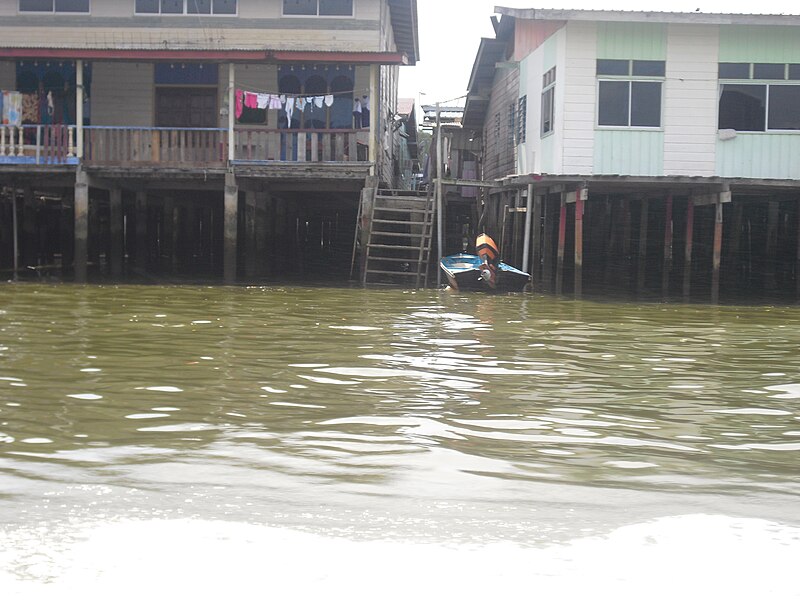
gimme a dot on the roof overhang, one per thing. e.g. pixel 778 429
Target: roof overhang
pixel 691 18
pixel 383 58
pixel 406 30
pixel 490 52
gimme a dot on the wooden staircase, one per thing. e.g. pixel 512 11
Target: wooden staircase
pixel 398 240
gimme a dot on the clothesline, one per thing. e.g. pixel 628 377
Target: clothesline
pixel 254 90
pixel 288 103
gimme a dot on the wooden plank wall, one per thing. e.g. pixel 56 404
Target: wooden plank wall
pixel 500 152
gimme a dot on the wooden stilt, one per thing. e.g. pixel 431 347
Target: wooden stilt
pixel 250 234
pixel 30 246
pixel 67 230
pixel 773 216
pixel 261 234
pixel 579 213
pixel 116 232
pixel 15 222
pixel 642 254
pixel 797 256
pixel 562 239
pixel 81 226
pixel 230 228
pixel 717 252
pixel 547 244
pixel 141 230
pixel 536 240
pixel 687 261
pixel 666 268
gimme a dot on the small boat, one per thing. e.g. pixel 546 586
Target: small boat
pixel 469 272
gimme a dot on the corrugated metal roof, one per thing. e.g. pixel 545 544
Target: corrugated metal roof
pixel 406 31
pixel 698 18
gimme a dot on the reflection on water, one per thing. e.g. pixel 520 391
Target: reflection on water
pixel 369 416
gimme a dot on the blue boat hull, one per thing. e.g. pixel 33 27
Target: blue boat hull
pixel 463 273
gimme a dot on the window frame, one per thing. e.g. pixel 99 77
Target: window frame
pixel 630 79
pixel 53 10
pixel 791 77
pixel 317 15
pixel 548 95
pixel 185 12
pixel 522 120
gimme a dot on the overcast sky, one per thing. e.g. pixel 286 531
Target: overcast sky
pixel 450 31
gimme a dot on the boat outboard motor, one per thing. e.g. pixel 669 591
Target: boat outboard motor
pixel 490 259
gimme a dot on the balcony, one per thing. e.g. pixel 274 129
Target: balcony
pixel 284 152
pixel 38 145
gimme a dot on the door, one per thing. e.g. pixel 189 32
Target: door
pixel 186 107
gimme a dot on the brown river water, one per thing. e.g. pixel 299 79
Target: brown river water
pixel 308 442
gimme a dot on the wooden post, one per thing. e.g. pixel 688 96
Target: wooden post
pixel 687 262
pixel 116 232
pixel 168 231
pixel 79 96
pixel 547 244
pixel 440 208
pixel 562 240
pixel 579 212
pixel 15 221
pixel 374 138
pixel 30 247
pixel 773 217
pixel 717 252
pixel 230 228
pixel 141 230
pixel 81 225
pixel 733 268
pixel 642 257
pixel 797 257
pixel 536 240
pixel 668 235
pixel 231 112
pixel 261 226
pixel 250 234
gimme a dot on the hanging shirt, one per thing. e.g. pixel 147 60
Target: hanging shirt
pixel 328 100
pixel 262 101
pixel 275 102
pixel 318 101
pixel 289 109
pixel 250 100
pixel 239 103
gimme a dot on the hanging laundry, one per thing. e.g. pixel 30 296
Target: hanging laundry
pixel 290 103
pixel 275 102
pixel 250 100
pixel 31 110
pixel 301 103
pixel 318 101
pixel 239 103
pixel 365 111
pixel 329 100
pixel 262 101
pixel 12 109
pixel 283 99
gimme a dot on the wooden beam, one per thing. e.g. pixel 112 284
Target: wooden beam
pixel 115 225
pixel 230 228
pixel 717 253
pixel 580 195
pixel 687 253
pixel 536 240
pixel 642 257
pixel 562 239
pixel 666 268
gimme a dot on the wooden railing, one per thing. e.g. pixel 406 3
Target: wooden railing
pixel 164 146
pixel 184 147
pixel 37 144
pixel 300 145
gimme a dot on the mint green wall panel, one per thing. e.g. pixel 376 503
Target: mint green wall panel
pixel 640 41
pixel 760 156
pixel 623 152
pixel 547 160
pixel 550 53
pixel 751 43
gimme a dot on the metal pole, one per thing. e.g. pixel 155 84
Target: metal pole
pixel 526 247
pixel 439 199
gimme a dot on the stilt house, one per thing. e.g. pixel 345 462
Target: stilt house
pixel 202 137
pixel 653 151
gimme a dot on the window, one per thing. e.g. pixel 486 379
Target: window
pixel 746 105
pixel 633 97
pixel 548 101
pixel 512 123
pixel 522 120
pixel 185 7
pixel 318 8
pixel 58 6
